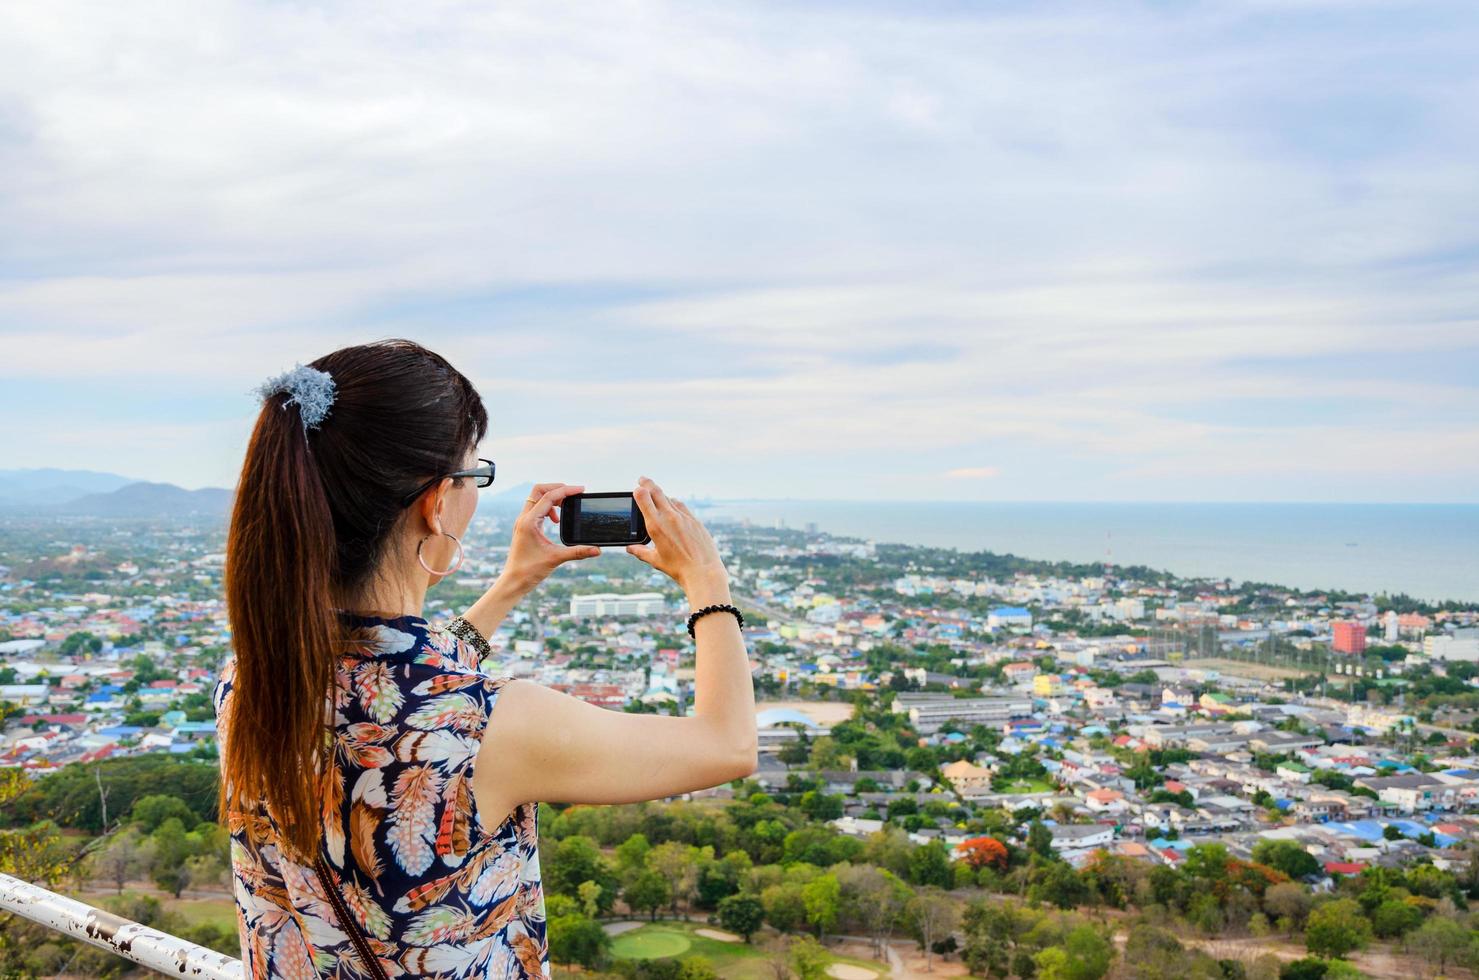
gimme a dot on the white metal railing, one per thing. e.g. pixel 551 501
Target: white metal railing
pixel 147 947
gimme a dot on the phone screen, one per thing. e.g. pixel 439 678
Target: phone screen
pixel 606 519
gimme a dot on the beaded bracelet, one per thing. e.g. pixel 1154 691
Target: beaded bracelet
pixel 720 607
pixel 469 634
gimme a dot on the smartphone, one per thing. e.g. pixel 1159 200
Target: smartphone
pixel 603 519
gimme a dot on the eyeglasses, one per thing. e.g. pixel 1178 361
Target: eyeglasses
pixel 483 474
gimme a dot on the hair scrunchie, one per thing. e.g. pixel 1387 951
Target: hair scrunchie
pixel 311 390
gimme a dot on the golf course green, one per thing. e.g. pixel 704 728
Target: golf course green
pixel 651 943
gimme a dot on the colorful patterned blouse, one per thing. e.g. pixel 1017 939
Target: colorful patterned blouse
pixel 436 892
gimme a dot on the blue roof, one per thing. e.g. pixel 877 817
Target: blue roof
pixel 1176 845
pixel 1370 830
pixel 1009 611
pixel 777 716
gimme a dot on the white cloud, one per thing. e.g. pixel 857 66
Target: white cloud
pixel 1073 239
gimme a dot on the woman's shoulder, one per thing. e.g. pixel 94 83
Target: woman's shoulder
pixel 416 656
pixel 451 645
pixel 435 680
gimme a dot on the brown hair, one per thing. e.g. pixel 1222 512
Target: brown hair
pixel 314 513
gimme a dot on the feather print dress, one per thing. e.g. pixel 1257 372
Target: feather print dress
pixel 436 892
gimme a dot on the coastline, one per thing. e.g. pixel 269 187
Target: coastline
pixel 1427 551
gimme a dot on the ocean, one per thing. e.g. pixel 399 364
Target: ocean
pixel 1429 551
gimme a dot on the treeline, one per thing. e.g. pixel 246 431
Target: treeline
pixel 1006 907
pixel 159 837
pixel 81 795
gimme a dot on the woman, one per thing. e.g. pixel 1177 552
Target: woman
pixel 382 813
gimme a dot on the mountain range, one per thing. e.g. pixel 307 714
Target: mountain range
pixel 51 491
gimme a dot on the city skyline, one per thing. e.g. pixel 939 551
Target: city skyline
pixel 1080 252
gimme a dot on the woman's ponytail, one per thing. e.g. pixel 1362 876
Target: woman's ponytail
pixel 280 563
pixel 317 512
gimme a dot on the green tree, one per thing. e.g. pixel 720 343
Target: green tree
pixel 578 939
pixel 1442 941
pixel 821 806
pixel 823 898
pixel 809 958
pixel 990 931
pixel 696 967
pixel 1156 954
pixel 70 795
pixel 151 811
pixel 1286 856
pixel 1040 839
pixel 742 914
pixel 590 894
pixel 1058 884
pixel 785 906
pixel 1305 969
pixel 1084 955
pixel 1394 917
pixel 930 865
pixel 632 852
pixel 1206 861
pixel 83 641
pixel 1287 900
pixel 577 859
pixel 1336 928
pixel 169 849
pixel 676 862
pixel 646 890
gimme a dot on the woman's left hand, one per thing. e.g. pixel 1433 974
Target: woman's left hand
pixel 531 553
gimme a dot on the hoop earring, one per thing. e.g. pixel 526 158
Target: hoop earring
pixel 455 565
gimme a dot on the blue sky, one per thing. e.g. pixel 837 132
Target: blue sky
pixel 1045 251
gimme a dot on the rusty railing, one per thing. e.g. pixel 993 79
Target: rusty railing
pixel 147 947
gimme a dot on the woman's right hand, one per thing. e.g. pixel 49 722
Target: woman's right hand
pixel 681 546
pixel 532 556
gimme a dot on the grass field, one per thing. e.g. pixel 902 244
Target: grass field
pixel 1239 668
pixel 218 911
pixel 656 940
pixel 651 943
pixel 1027 786
pixel 733 961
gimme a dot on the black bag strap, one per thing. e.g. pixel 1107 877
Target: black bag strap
pixel 341 909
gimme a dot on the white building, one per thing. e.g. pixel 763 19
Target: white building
pixel 615 604
pixel 1009 616
pixel 1075 837
pixel 1458 645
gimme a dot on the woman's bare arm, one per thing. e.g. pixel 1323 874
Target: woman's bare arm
pixel 532 556
pixel 542 744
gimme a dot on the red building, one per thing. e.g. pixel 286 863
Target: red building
pixel 1349 638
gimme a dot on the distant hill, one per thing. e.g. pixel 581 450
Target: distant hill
pixel 150 500
pixel 49 486
pixel 511 499
pixel 85 492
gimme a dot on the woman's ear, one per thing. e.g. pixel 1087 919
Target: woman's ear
pixel 431 507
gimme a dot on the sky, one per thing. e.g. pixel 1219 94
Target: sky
pixel 921 250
